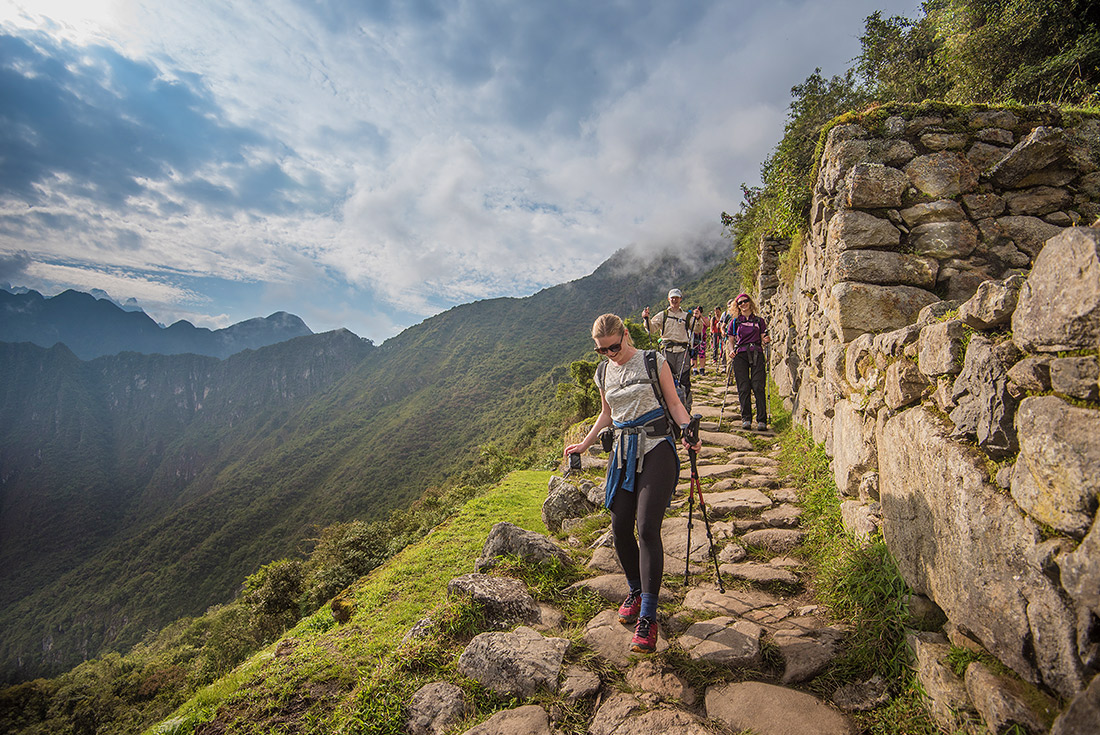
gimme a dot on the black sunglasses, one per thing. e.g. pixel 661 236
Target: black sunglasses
pixel 742 303
pixel 610 349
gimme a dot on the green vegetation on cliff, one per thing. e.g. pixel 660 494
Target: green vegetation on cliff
pixel 962 52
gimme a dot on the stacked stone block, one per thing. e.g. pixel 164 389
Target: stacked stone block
pixel 941 340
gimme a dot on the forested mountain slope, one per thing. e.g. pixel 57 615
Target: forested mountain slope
pixel 175 510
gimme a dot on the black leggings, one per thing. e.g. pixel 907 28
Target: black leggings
pixel 644 558
pixel 751 376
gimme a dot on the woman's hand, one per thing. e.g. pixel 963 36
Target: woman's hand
pixel 693 447
pixel 574 449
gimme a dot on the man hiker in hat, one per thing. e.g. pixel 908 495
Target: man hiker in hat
pixel 674 327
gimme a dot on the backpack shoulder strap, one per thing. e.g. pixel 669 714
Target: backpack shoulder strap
pixel 654 373
pixel 600 370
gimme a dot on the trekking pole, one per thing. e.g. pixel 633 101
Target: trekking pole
pixel 697 487
pixel 725 392
pixel 691 508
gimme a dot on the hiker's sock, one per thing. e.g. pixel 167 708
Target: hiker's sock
pixel 649 606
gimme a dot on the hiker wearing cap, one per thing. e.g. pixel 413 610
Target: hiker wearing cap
pixel 638 399
pixel 673 326
pixel 748 333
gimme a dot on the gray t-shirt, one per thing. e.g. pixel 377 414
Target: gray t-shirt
pixel 629 399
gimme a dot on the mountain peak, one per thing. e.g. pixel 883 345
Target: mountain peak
pixel 93 325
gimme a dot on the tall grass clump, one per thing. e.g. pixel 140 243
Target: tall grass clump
pixel 857 580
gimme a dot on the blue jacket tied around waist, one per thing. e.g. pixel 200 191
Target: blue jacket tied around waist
pixel 626 459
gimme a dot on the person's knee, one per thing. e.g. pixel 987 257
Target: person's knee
pixel 649 533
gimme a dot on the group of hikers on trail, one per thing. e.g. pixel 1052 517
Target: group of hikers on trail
pixel 645 404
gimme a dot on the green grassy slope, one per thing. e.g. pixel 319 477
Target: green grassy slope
pixel 330 662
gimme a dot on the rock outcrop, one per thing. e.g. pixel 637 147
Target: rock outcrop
pixel 956 387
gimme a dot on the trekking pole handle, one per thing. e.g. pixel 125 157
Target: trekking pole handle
pixel 691 429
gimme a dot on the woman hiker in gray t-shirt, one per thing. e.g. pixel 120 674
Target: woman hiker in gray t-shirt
pixel 643 469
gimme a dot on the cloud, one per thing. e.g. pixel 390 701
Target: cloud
pixel 92 123
pixel 395 158
pixel 13 265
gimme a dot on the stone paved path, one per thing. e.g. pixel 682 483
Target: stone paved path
pixel 765 627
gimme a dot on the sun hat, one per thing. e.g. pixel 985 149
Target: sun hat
pixel 675 292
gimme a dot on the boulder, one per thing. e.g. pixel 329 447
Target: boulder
pixel 627 713
pixel 435 708
pixel 844 147
pixel 1056 479
pixel 1004 119
pixel 650 676
pixel 1037 201
pixel 1032 373
pixel 508 539
pixel 854 451
pixel 757 573
pixel 723 640
pixel 942 140
pixel 674 536
pixel 784 516
pixel 943 240
pixel 778 540
pixel 992 304
pixel 885 267
pixel 940 348
pixel 1000 136
pixel 530 719
pixel 518 663
pixel 611 587
pixel 855 230
pixel 967 546
pixel 905 384
pixel 983 206
pixel 1076 377
pixel 734 502
pixel 891 344
pixel 579 683
pixel 854 308
pixel 943 210
pixel 1082 714
pixel 874 186
pixel 1080 572
pixel 806 653
pixel 504 600
pixel 984 156
pixel 984 406
pixel 1041 148
pixel 1059 304
pixel 733 602
pixel 859 359
pixel 942 175
pixel 1028 234
pixel 859 519
pixel 766 709
pixel 1000 707
pixel 862 696
pixel 948 701
pixel 935 312
pixel 563 501
pixel 605 560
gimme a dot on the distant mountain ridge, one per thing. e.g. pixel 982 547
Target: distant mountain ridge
pixel 94 327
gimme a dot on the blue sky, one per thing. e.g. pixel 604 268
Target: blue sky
pixel 369 164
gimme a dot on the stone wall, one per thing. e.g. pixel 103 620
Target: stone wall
pixel 941 339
